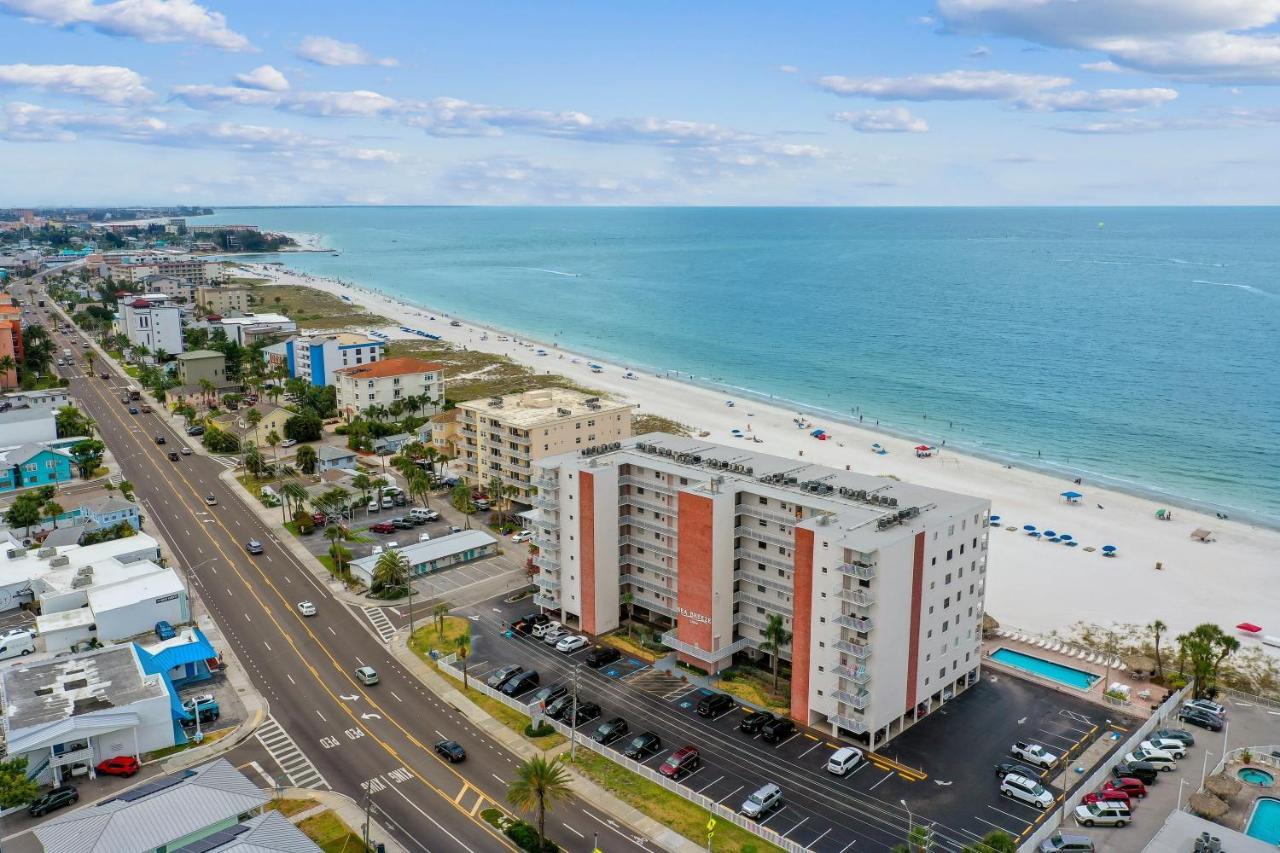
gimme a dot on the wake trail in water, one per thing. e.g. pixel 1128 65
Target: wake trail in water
pixel 1248 287
pixel 550 272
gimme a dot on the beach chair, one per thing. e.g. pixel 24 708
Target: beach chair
pixel 1081 655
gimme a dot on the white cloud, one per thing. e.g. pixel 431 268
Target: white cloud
pixel 980 52
pixel 1105 66
pixel 110 83
pixel 356 103
pixel 203 96
pixel 788 69
pixel 1220 119
pixel 1207 40
pixel 264 77
pixel 944 86
pixel 373 155
pixel 891 120
pixel 519 180
pixel 155 21
pixel 323 50
pixel 1097 101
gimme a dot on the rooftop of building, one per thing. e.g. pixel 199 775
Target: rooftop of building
pixel 435 549
pixel 110 503
pixel 398 366
pixel 344 339
pixel 20 453
pixel 329 453
pixel 252 319
pixel 51 691
pixel 542 406
pixel 153 585
pixel 857 501
pixel 269 832
pixel 29 565
pixel 195 354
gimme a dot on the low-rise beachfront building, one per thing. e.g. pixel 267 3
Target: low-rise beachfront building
pixel 223 300
pixel 881 583
pixel 271 419
pixel 506 436
pixel 318 357
pixel 251 327
pixel 151 324
pixel 110 511
pixel 22 424
pixel 416 385
pixel 48 579
pixel 35 464
pixel 434 555
pixel 178 289
pixel 201 364
pixel 333 458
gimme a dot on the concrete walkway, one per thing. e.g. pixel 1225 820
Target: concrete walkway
pixel 347 810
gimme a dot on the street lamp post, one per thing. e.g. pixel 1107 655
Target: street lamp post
pixel 910 820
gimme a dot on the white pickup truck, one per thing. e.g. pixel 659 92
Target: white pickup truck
pixel 1034 753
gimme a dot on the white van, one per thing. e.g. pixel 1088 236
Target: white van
pixel 843 760
pixel 17 643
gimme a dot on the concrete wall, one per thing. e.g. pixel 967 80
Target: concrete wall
pixel 139 617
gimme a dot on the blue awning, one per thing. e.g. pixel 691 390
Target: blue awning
pixel 196 651
pixel 1072 496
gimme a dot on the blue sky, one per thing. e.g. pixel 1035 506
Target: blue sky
pixel 954 102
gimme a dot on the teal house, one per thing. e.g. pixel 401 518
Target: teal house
pixel 28 465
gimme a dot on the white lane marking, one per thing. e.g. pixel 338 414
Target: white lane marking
pixel 321 716
pixel 794 828
pixel 397 790
pixel 290 677
pixel 886 777
pixel 393 694
pixel 811 749
pixel 501 781
pixel 571 829
pixel 264 642
pixel 731 793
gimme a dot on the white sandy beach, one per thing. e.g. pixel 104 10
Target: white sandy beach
pixel 1034 584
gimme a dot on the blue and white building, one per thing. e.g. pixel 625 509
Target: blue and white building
pixel 110 511
pixel 315 358
pixel 34 464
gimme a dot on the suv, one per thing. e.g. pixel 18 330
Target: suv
pixel 1187 738
pixel 1004 768
pixel 521 682
pixel 643 746
pixel 778 730
pixel 1143 771
pixel 1160 759
pixel 610 731
pixel 714 704
pixel 61 796
pixel 1174 747
pixel 1200 717
pixel 503 674
pixel 121 765
pixel 1034 753
pixel 546 695
pixel 684 760
pixel 1219 711
pixel 253 546
pixel 752 723
pixel 584 713
pixel 1026 790
pixel 762 802
pixel 382 527
pixel 1103 814
pixel 1060 843
pixel 1130 786
pixel 602 656
pixel 539 629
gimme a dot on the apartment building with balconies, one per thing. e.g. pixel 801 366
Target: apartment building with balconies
pixel 506 436
pixel 881 583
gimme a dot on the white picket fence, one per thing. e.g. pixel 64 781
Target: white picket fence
pixel 721 812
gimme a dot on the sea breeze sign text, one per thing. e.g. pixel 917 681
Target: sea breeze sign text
pixel 695 617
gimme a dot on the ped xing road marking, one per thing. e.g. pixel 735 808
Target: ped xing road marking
pixel 489 830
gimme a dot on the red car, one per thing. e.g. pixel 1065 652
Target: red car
pixel 684 760
pixel 1129 785
pixel 318 518
pixel 382 527
pixel 1107 795
pixel 121 765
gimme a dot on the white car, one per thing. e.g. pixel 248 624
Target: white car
pixel 1034 753
pixel 1175 748
pixel 522 536
pixel 554 636
pixel 1160 759
pixel 571 643
pixel 541 630
pixel 289 442
pixel 306 608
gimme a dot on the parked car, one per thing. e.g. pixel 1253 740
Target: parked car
pixel 762 802
pixel 402 524
pixel 526 624
pixel 426 515
pixel 1103 814
pixel 714 704
pixel 186 451
pixel 1004 768
pixel 387 502
pixel 173 456
pixel 121 765
pixel 1187 738
pixel 558 708
pixel 1201 718
pixel 367 675
pixel 540 629
pixel 554 635
pixel 1107 795
pixel 1034 754
pixel 522 536
pixel 146 409
pixel 586 712
pixel 777 730
pixel 203 707
pixel 1061 842
pixel 753 722
pixel 382 527
pixel 503 674
pixel 306 608
pixel 520 683
pixel 611 730
pixel 451 751
pixel 684 760
pixel 1143 771
pixel 133 410
pixel 1026 790
pixel 195 430
pixel 843 760
pixel 571 643
pixel 642 746
pixel 253 546
pixel 602 656
pixel 1133 787
pixel 1174 747
pixel 546 695
pixel 63 795
pixel 164 631
pixel 1160 759
pixel 1219 711
pixel 160 439
pixel 289 442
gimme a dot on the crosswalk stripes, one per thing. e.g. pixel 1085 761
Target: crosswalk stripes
pixel 299 770
pixel 116 479
pixel 228 462
pixel 380 623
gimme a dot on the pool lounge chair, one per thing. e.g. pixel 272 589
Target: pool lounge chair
pixel 1082 655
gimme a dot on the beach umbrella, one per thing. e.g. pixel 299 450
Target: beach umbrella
pixel 1249 627
pixel 995 518
pixel 1029 527
pixel 1050 534
pixel 1065 536
pixel 1108 549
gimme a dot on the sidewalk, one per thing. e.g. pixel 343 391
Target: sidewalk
pixel 348 811
pixel 584 788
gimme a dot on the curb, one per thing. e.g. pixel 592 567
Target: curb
pixel 350 813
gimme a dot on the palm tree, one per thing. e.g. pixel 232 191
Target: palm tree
pixel 362 482
pixel 380 483
pixel 776 637
pixel 253 417
pixel 628 600
pixel 438 612
pixel 88 360
pixel 306 459
pixel 391 570
pixel 295 492
pixel 1227 645
pixel 463 644
pixel 206 390
pixel 51 510
pixel 461 497
pixel 1157 628
pixel 538 785
pixel 7 363
pixel 495 496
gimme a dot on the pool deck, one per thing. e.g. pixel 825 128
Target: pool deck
pixel 1070 655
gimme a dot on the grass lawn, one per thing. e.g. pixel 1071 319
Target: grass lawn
pixel 641 424
pixel 630 647
pixel 428 638
pixel 471 374
pixel 756 689
pixel 313 308
pixel 666 807
pixel 289 806
pixel 331 834
pixel 209 737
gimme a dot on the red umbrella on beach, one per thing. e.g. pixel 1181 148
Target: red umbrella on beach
pixel 1249 627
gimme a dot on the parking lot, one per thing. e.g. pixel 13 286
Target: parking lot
pixel 939 773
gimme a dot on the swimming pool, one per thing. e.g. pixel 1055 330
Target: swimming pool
pixel 1067 675
pixel 1255 776
pixel 1264 823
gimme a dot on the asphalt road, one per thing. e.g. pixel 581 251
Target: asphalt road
pixel 355 737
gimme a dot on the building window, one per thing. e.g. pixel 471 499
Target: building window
pixel 950 552
pixel 948 580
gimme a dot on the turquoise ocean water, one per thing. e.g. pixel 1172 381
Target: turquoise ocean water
pixel 1135 346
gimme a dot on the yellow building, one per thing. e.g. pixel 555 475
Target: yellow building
pixel 237 423
pixel 223 300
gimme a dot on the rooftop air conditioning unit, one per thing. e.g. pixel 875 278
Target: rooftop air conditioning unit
pixel 791 481
pixel 59 562
pixel 15 553
pixel 697 460
pixel 749 470
pixel 81 581
pixel 893 501
pixel 47 552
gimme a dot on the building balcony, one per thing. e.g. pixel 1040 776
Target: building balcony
pixel 546 484
pixel 650 565
pixel 547 581
pixel 75 756
pixel 862 571
pixel 752 619
pixel 764 581
pixel 861 651
pixel 760 555
pixel 546 544
pixel 755 600
pixel 856 623
pixel 542 561
pixel 641 582
pixel 518 454
pixel 656 607
pixel 856 726
pixel 647 503
pixel 858 701
pixel 647 524
pixel 544 601
pixel 655 485
pixel 766 535
pixel 767 513
pixel 671 641
pixel 648 544
pixel 859 675
pixel 547 504
pixel 860 597
pixel 469 433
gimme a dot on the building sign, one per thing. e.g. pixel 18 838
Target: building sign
pixel 699 618
pixel 165 598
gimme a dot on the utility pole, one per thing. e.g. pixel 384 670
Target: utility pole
pixel 368 807
pixel 573 717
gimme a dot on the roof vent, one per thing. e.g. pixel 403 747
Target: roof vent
pixel 47 552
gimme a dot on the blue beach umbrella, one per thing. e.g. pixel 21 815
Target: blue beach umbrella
pixel 1028 527
pixel 995 518
pixel 1108 548
pixel 1050 534
pixel 1065 537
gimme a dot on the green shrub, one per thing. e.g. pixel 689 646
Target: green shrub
pixel 542 730
pixel 525 837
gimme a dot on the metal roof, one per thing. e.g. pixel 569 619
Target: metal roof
pixel 270 832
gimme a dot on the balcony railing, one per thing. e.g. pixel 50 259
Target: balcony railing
pixel 860 597
pixel 652 565
pixel 766 535
pixel 546 484
pixel 763 580
pixel 655 607
pixel 646 583
pixel 857 701
pixel 647 524
pixel 857 623
pixel 656 485
pixel 774 606
pixel 781 516
pixel 469 433
pixel 856 726
pixel 547 581
pixel 517 454
pixel 670 640
pixel 861 651
pixel 648 544
pixel 73 757
pixel 546 544
pixel 859 676
pixel 547 504
pixel 761 555
pixel 750 619
pixel 862 571
pixel 647 503
pixel 542 561
pixel 543 601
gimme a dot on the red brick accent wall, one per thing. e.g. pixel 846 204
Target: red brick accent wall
pixel 693 562
pixel 917 593
pixel 587 533
pixel 801 633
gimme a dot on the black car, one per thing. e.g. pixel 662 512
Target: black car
pixel 558 709
pixel 587 711
pixel 756 720
pixel 195 430
pixel 159 439
pixel 1144 771
pixel 64 795
pixel 520 683
pixel 1005 768
pixel 526 624
pixel 610 731
pixel 643 746
pixel 503 674
pixel 548 695
pixel 776 731
pixel 133 410
pixel 1187 738
pixel 714 704
pixel 1201 718
pixel 602 656
pixel 451 751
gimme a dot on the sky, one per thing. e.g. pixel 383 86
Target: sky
pixel 958 102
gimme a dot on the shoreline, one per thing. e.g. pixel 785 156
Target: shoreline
pixel 1189 588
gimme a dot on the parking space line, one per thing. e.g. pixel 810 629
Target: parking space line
pixel 814 843
pixel 1014 816
pixel 881 782
pixel 989 823
pixel 788 740
pixel 812 748
pixel 708 785
pixel 794 828
pixel 731 793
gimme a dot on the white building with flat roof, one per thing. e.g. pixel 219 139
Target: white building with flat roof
pixel 250 327
pixel 881 583
pixel 45 575
pixel 434 555
pixel 151 324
